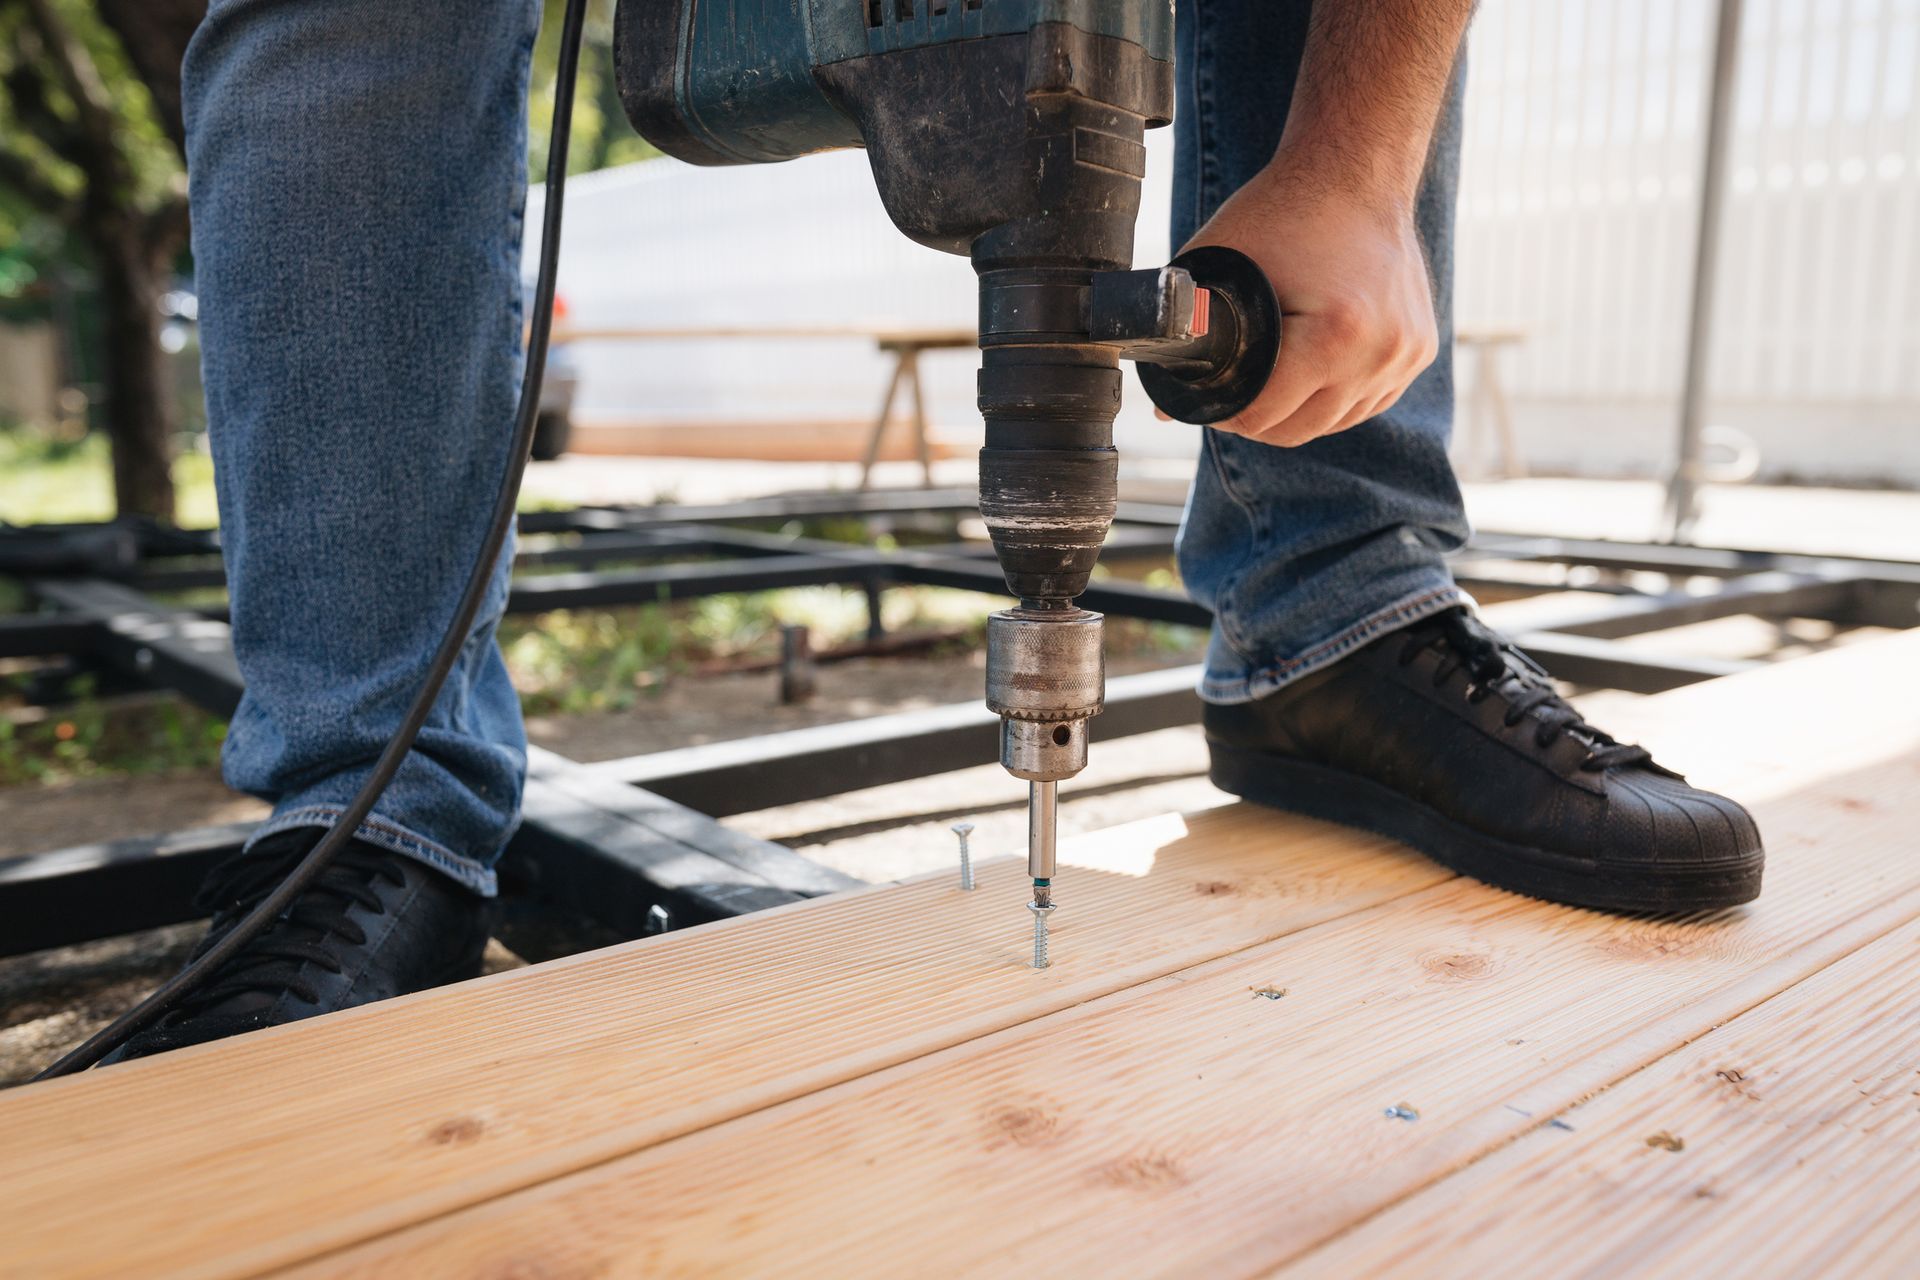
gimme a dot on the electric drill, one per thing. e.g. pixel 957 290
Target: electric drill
pixel 1009 131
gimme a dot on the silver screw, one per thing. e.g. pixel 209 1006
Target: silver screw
pixel 963 830
pixel 1040 913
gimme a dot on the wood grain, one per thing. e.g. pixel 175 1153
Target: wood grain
pixel 1788 1139
pixel 305 1137
pixel 1194 1125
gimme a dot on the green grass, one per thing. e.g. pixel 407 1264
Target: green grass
pixel 596 660
pixel 47 481
pixel 91 737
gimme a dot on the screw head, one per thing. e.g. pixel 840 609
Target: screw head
pixel 963 829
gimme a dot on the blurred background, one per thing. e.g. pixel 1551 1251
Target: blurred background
pixel 704 326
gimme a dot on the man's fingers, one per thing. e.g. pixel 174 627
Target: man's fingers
pixel 1318 416
pixel 1313 357
pixel 1295 380
pixel 1370 408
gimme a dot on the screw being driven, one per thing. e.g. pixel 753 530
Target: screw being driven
pixel 963 830
pixel 1041 910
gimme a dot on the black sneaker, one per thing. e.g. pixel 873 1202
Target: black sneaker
pixel 372 926
pixel 1448 738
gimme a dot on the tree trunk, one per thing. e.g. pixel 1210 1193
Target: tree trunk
pixel 155 35
pixel 137 407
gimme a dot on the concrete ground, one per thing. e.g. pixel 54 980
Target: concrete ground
pixel 50 1000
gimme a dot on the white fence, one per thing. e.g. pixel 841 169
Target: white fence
pixel 1584 133
pixel 1579 197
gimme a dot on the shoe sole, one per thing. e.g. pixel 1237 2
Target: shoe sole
pixel 1336 796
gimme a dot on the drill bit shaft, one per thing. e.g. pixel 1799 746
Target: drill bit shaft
pixel 1042 834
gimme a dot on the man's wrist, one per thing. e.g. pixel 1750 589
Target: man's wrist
pixel 1307 171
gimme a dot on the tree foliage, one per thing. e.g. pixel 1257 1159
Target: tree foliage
pixel 81 133
pixel 601 135
pixel 92 175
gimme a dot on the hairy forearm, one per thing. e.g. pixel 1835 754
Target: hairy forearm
pixel 1372 79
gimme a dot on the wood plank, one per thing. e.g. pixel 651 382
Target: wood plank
pixel 780 441
pixel 1189 1126
pixel 310 1136
pixel 1781 1144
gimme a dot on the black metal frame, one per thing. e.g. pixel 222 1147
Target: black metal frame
pixel 633 845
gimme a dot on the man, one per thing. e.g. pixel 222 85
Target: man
pixel 357 181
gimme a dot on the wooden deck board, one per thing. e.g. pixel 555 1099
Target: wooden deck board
pixel 715 1096
pixel 1788 1139
pixel 391 1113
pixel 1189 1126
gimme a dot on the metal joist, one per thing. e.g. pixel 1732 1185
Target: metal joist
pixel 664 583
pixel 38 635
pixel 748 774
pixel 1771 594
pixel 159 645
pixel 1604 664
pixel 606 851
pixel 109 887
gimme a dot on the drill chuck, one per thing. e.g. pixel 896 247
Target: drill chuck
pixel 1046 677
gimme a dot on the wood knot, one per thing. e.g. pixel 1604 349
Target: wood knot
pixel 457 1132
pixel 1025 1125
pixel 1216 888
pixel 1457 966
pixel 1665 1141
pixel 1144 1172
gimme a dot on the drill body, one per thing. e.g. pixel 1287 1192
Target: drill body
pixel 1009 131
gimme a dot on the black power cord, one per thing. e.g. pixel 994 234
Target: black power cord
pixel 170 993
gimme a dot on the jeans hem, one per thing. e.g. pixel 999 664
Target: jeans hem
pixel 387 834
pixel 1228 689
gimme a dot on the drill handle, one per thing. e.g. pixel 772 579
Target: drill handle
pixel 1204 329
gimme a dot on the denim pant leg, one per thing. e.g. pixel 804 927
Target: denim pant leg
pixel 1304 554
pixel 357 178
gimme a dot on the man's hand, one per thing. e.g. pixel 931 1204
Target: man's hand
pixel 1330 219
pixel 1357 311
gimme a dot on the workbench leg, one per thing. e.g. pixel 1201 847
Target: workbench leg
pixel 1511 468
pixel 880 423
pixel 911 361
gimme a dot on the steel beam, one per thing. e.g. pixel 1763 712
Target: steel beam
pixel 747 774
pixel 39 635
pixel 1605 664
pixel 607 851
pixel 875 502
pixel 159 645
pixel 663 583
pixel 770 864
pixel 114 886
pixel 1770 594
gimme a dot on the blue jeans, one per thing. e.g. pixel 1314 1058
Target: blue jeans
pixel 357 172
pixel 1306 554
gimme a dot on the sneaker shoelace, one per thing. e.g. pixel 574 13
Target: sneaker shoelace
pixel 1496 668
pixel 276 960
